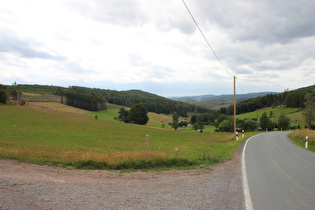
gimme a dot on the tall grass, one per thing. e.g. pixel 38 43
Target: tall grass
pixel 298 137
pixel 54 137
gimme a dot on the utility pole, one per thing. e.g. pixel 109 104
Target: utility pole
pixel 234 112
pixel 257 119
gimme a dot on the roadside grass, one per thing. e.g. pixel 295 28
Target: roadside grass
pixel 298 137
pixel 53 137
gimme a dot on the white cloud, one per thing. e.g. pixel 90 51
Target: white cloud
pixel 154 45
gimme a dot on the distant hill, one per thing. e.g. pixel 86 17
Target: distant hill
pixel 224 97
pixel 214 103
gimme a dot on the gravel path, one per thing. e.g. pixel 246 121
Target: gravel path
pixel 29 186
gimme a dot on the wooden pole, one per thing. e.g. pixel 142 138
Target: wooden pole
pixel 257 120
pixel 234 111
pixel 147 144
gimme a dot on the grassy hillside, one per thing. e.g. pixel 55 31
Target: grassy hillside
pixel 295 115
pixel 54 136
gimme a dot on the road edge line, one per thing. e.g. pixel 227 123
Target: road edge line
pixel 248 200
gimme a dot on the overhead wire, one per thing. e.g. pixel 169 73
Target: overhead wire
pixel 204 37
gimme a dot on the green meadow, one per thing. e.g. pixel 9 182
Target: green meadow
pixel 295 115
pixel 56 134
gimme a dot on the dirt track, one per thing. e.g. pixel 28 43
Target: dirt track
pixel 29 186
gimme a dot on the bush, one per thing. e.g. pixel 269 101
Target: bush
pixel 227 125
pixel 198 126
pixel 175 124
pixel 22 102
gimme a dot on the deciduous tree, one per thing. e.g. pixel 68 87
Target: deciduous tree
pixel 3 95
pixel 138 114
pixel 309 112
pixel 283 121
pixel 265 122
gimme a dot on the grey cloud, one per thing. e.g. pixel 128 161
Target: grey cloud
pixel 240 70
pixel 9 42
pixel 76 68
pixel 171 23
pixel 121 12
pixel 153 71
pixel 263 20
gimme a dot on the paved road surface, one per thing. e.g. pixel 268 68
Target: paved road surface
pixel 280 174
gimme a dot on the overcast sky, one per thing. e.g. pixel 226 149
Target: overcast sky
pixel 154 45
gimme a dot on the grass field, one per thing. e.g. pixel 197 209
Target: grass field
pixel 295 114
pixel 54 136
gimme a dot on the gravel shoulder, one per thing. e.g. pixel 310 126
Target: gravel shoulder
pixel 30 186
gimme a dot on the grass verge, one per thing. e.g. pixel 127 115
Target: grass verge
pixel 298 137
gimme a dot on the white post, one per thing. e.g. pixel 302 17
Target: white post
pixel 306 142
pixel 148 144
pixel 236 135
pixel 243 133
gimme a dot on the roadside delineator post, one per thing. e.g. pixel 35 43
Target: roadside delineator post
pixel 236 135
pixel 306 142
pixel 147 144
pixel 243 133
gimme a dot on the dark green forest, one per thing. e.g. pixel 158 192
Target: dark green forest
pixel 152 102
pixel 85 101
pixel 291 99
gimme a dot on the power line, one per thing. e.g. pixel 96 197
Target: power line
pixel 211 47
pixel 205 38
pixel 241 89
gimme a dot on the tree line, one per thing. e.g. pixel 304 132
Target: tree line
pixel 8 92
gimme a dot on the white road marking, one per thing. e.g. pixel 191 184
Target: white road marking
pixel 248 200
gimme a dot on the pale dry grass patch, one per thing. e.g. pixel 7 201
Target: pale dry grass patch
pixel 54 106
pixel 305 132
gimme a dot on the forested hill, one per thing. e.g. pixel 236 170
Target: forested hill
pixel 159 104
pixel 293 99
pixel 152 102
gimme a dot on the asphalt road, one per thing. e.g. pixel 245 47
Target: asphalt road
pixel 280 174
